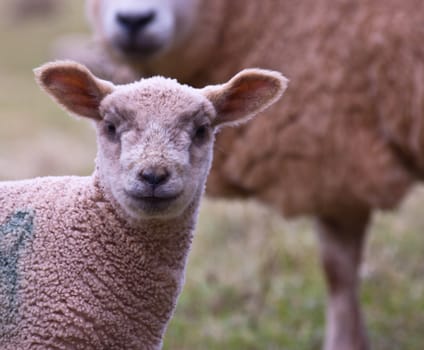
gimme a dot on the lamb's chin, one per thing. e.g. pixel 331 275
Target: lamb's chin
pixel 153 208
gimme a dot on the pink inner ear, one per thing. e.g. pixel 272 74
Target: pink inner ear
pixel 75 90
pixel 247 94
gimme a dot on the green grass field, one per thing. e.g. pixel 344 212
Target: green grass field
pixel 253 280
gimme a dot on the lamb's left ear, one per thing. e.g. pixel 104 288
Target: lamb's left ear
pixel 74 87
pixel 246 94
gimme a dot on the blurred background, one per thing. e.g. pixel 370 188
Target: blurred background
pixel 253 280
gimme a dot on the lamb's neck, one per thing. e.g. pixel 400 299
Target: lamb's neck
pixel 164 243
pixel 147 259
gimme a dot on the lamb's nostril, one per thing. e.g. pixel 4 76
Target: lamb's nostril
pixel 154 177
pixel 134 22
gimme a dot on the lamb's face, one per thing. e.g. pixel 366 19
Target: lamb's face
pixel 155 136
pixel 142 28
pixel 155 144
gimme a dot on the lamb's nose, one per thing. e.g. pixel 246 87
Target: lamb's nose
pixel 154 176
pixel 134 22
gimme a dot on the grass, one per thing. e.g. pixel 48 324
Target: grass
pixel 253 279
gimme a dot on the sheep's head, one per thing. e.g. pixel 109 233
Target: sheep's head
pixel 142 28
pixel 156 136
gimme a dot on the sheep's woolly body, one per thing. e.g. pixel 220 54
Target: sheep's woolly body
pixel 348 133
pixel 87 274
pixel 356 69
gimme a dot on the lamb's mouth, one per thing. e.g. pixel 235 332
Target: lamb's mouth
pixel 152 202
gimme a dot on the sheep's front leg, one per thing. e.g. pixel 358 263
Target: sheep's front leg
pixel 341 243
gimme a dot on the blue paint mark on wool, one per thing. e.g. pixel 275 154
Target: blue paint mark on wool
pixel 14 233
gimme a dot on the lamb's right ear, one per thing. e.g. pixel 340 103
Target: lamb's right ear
pixel 74 87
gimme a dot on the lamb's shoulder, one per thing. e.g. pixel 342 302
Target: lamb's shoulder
pixel 44 196
pixel 60 236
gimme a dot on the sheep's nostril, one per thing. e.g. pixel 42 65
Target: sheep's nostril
pixel 135 22
pixel 154 177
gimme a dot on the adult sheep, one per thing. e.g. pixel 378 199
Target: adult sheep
pixel 98 262
pixel 349 139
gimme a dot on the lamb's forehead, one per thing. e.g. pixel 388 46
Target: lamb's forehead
pixel 158 96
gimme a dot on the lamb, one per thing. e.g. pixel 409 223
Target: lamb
pixel 98 262
pixel 349 139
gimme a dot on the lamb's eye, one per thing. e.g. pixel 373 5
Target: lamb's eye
pixel 110 130
pixel 201 133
